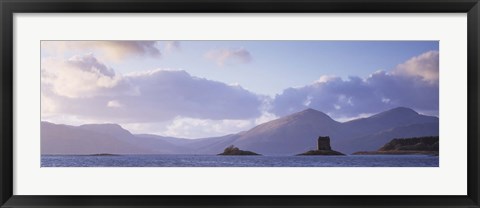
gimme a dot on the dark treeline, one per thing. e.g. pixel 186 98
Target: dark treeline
pixel 412 144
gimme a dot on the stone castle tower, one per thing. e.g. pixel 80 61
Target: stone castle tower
pixel 323 143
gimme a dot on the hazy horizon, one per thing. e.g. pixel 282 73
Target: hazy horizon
pixel 197 89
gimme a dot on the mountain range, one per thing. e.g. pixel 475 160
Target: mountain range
pixel 289 135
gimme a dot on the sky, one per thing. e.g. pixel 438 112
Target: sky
pixel 197 89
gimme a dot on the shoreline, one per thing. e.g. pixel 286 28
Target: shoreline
pixel 397 152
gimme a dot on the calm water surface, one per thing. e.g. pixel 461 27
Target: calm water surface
pixel 239 161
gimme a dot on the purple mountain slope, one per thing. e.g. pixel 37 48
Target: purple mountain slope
pixel 100 138
pixel 396 117
pixel 288 135
pixel 64 139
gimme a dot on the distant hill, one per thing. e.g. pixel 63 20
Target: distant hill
pixel 297 132
pixel 390 119
pixel 416 145
pixel 64 139
pixel 374 141
pixel 288 135
pixel 100 138
pixel 412 144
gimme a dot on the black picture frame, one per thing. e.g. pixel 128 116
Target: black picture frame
pixel 9 7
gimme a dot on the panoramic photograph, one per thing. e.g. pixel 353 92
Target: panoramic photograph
pixel 239 103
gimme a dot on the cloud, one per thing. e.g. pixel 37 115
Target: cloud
pixel 198 128
pixel 327 78
pixel 425 66
pixel 114 104
pixel 81 76
pixel 175 103
pixel 172 46
pixel 112 50
pixel 84 87
pixel 265 117
pixel 361 115
pixel 224 57
pixel 195 97
pixel 47 106
pixel 194 128
pixel 407 85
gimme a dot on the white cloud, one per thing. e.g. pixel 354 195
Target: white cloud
pixel 337 107
pixel 224 57
pixel 265 117
pixel 146 128
pixel 81 76
pixel 172 46
pixel 47 105
pixel 361 115
pixel 114 104
pixel 385 100
pixel 425 66
pixel 198 128
pixel 111 50
pixel 308 101
pixel 327 78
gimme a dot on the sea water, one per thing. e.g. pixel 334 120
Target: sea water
pixel 239 161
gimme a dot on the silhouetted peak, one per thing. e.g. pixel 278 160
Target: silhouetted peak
pixel 309 114
pixel 106 125
pixel 403 110
pixel 310 110
pixel 399 111
pixel 109 128
pixel 46 123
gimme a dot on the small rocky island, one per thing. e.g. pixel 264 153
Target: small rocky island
pixel 323 148
pixel 407 146
pixel 232 150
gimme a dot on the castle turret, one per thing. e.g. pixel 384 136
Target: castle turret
pixel 323 143
pixel 323 148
